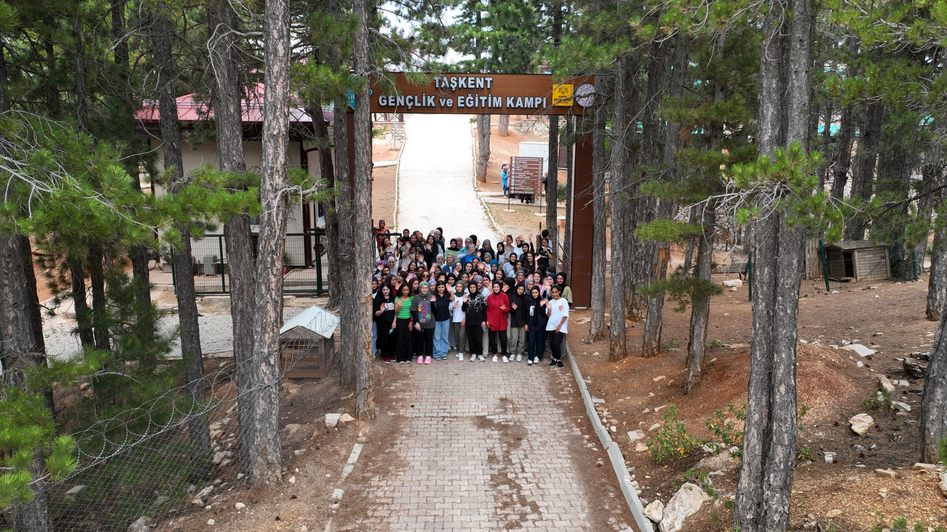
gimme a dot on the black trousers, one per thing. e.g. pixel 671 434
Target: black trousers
pixel 403 341
pixel 475 339
pixel 423 342
pixel 385 339
pixel 493 341
pixel 555 343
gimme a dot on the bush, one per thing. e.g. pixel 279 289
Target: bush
pixel 672 439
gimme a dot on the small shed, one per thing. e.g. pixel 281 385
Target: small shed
pixel 307 344
pixel 858 259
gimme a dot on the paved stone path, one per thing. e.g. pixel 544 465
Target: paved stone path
pixel 483 446
pixel 436 179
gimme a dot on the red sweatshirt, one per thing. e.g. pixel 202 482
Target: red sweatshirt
pixel 496 316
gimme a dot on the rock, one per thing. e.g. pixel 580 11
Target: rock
pixel 885 384
pixel 900 407
pixel 240 475
pixel 859 364
pixel 204 493
pixel 833 513
pixel 139 524
pixel 926 467
pixel 197 502
pixel 733 289
pixel 641 447
pixel 943 484
pixel 885 473
pixel 861 423
pixel 636 435
pixel 903 383
pixel 292 428
pixel 653 427
pixel 830 457
pixel 659 378
pixel 859 349
pixel 161 500
pixel 292 479
pixel 211 522
pixel 332 420
pixel 239 506
pixel 923 356
pixel 718 462
pixel 682 505
pixel 598 401
pixel 73 491
pixel 219 456
pixel 346 418
pixel 914 367
pixel 654 511
pixel 732 283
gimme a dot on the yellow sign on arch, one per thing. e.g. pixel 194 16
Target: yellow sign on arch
pixel 562 95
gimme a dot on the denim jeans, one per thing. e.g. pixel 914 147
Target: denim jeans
pixel 537 345
pixel 441 345
pixel 374 337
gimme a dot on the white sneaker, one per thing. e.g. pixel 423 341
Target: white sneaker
pixel 529 361
pixel 505 359
pixel 519 358
pixel 482 358
pixel 494 358
pixel 460 356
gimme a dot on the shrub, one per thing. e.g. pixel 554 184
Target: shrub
pixel 672 439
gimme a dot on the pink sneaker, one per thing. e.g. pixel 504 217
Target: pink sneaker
pixel 420 360
pixel 427 360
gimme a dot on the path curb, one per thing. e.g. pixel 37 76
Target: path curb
pixel 614 452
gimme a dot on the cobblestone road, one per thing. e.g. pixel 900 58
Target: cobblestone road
pixel 483 446
pixel 436 179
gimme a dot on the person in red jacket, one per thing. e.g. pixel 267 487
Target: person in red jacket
pixel 498 308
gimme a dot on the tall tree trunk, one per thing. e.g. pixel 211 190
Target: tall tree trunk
pixel 552 175
pixel 362 216
pixel 99 304
pixel 865 163
pixel 222 21
pixel 623 130
pixel 19 350
pixel 183 269
pixel 265 448
pixel 566 264
pixel 842 158
pixel 599 216
pixel 651 343
pixel 332 174
pixel 769 445
pixel 80 303
pixel 933 419
pixel 483 146
pixel 503 126
pixel 349 332
pixel 937 285
pixel 327 172
pixel 700 301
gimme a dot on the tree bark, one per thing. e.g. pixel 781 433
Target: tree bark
pixel 599 217
pixel 566 263
pixel 842 158
pixel 700 301
pixel 183 269
pixel 274 188
pixel 769 443
pixel 623 130
pixel 228 122
pixel 933 419
pixel 327 172
pixel 503 126
pixel 80 303
pixel 19 350
pixel 362 216
pixel 99 304
pixel 865 162
pixel 348 305
pixel 483 146
pixel 552 190
pixel 937 284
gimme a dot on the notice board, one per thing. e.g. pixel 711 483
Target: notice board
pixel 526 175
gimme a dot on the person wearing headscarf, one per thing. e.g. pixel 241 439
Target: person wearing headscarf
pixel 457 330
pixel 566 291
pixel 442 314
pixel 383 307
pixel 535 326
pixel 519 308
pixel 423 318
pixel 475 320
pixel 498 308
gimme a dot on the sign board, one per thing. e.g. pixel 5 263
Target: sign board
pixel 500 94
pixel 526 175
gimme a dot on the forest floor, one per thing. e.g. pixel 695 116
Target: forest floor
pixel 636 393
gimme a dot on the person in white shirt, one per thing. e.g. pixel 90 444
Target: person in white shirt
pixel 557 310
pixel 457 320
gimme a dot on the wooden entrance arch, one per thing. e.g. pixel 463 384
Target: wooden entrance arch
pixel 506 94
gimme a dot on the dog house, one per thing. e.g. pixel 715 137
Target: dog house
pixel 307 345
pixel 858 260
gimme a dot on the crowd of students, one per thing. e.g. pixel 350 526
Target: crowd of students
pixel 504 303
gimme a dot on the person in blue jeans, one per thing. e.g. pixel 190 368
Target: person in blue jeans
pixel 442 315
pixel 535 326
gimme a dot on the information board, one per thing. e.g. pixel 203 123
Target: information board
pixel 526 175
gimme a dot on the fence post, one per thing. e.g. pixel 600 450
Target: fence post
pixel 223 279
pixel 825 266
pixel 749 274
pixel 319 288
pixel 173 281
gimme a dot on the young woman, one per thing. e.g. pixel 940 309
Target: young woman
pixel 475 320
pixel 557 310
pixel 535 326
pixel 458 332
pixel 402 324
pixel 423 324
pixel 415 286
pixel 431 250
pixel 498 307
pixel 384 307
pixel 519 308
pixel 442 314
pixel 542 256
pixel 563 287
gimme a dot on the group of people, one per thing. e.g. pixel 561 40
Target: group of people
pixel 505 303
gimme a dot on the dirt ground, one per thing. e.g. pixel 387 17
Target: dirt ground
pixel 849 494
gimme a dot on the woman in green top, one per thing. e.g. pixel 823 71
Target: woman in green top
pixel 402 324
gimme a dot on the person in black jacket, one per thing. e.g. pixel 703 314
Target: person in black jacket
pixel 384 312
pixel 519 305
pixel 536 326
pixel 475 320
